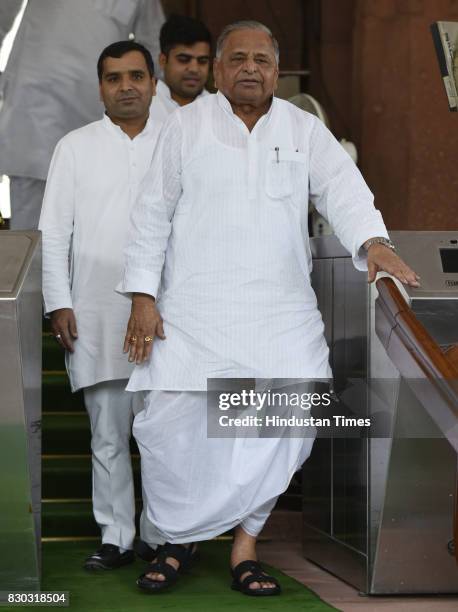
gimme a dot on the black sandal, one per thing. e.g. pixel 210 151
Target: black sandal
pixel 257 575
pixel 185 555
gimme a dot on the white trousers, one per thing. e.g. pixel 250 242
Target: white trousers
pixel 111 411
pixel 196 487
pixel 26 196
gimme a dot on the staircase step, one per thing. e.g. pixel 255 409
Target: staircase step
pixel 69 434
pixel 53 355
pixel 66 434
pixel 69 477
pixel 68 519
pixel 56 394
pixel 72 518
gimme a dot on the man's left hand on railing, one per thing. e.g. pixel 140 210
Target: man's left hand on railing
pixel 381 258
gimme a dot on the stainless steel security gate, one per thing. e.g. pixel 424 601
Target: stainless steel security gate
pixel 20 410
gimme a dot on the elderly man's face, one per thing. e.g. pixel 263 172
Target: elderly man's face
pixel 126 87
pixel 247 72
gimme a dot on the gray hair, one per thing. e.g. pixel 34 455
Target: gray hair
pixel 246 25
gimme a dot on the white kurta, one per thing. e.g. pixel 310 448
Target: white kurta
pixel 163 104
pixel 92 185
pixel 220 236
pixel 50 86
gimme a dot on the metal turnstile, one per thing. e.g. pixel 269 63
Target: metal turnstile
pixel 20 410
pixel 379 511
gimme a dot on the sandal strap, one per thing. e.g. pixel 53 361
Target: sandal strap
pixel 267 578
pixel 180 552
pixel 258 578
pixel 257 574
pixel 246 566
pixel 245 583
pixel 167 570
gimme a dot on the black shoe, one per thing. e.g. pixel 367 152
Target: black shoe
pixel 145 552
pixel 108 557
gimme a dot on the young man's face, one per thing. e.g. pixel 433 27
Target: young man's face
pixel 186 69
pixel 126 87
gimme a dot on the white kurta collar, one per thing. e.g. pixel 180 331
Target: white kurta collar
pixel 163 90
pixel 115 129
pixel 149 126
pixel 224 103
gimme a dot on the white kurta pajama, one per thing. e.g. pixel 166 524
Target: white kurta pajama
pixel 220 237
pixel 92 184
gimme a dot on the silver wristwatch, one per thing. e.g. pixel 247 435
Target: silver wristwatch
pixel 379 240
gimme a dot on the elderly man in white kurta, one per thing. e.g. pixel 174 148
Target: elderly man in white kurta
pixel 92 184
pixel 219 267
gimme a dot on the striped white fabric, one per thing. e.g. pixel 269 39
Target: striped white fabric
pixel 219 235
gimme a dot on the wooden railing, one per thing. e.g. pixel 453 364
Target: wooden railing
pixel 418 356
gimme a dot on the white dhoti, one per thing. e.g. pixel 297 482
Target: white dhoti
pixel 197 487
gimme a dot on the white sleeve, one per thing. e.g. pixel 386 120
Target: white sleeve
pixel 340 194
pixel 151 218
pixel 56 225
pixel 147 26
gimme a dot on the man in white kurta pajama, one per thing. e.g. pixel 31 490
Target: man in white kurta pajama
pixel 92 184
pixel 220 240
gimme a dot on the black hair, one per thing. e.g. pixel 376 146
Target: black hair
pixel 180 30
pixel 118 49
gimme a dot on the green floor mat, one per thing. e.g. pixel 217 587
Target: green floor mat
pixel 205 588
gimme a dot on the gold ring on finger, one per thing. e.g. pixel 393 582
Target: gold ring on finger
pixel 133 339
pixel 148 339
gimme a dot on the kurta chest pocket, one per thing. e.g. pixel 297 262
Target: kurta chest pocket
pixel 285 173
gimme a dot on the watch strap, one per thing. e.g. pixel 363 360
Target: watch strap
pixel 379 240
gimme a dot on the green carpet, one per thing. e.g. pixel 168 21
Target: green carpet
pixel 205 588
